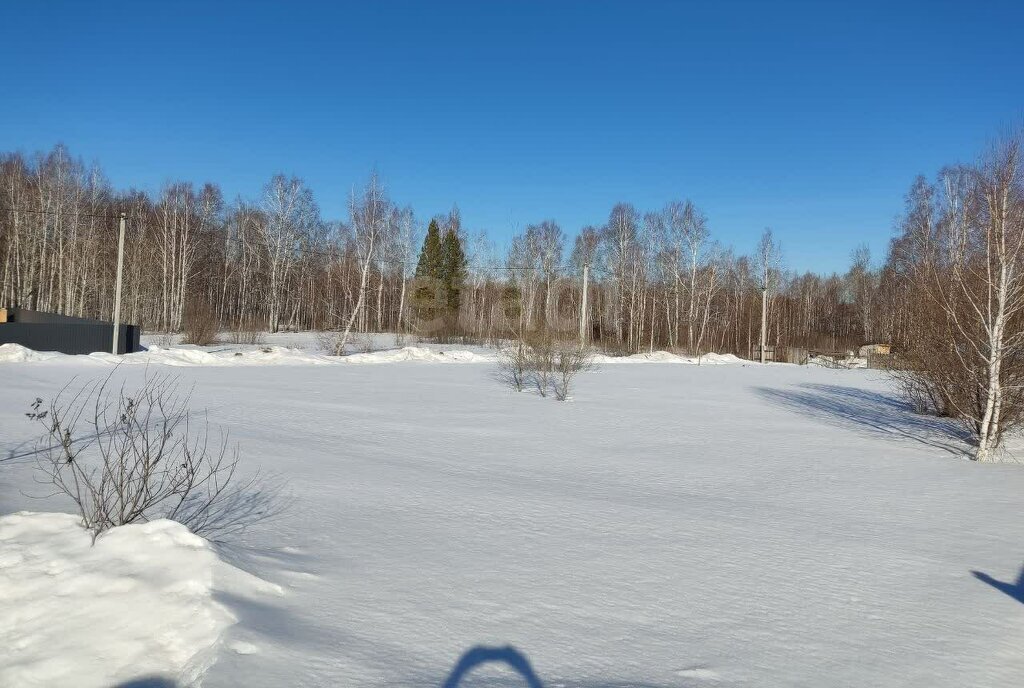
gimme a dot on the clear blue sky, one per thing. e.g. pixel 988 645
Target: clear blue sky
pixel 812 118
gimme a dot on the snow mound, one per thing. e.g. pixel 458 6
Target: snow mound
pixel 418 353
pixel 270 355
pixel 282 355
pixel 721 359
pixel 139 603
pixel 669 357
pixel 263 356
pixel 16 353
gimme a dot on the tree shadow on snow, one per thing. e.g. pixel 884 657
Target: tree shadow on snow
pixel 27 449
pixel 1014 590
pixel 148 682
pixel 872 412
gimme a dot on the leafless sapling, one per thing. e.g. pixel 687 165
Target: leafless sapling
pixel 128 455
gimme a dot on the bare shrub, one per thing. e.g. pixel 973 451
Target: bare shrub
pixel 513 364
pixel 833 362
pixel 405 339
pixel 331 342
pixel 201 325
pixel 363 343
pixel 612 347
pixel 569 360
pixel 126 456
pixel 540 363
pixel 246 333
pixel 932 380
pixel 335 343
pixel 917 393
pixel 164 339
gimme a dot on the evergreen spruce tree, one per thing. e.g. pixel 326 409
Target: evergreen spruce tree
pixel 429 264
pixel 453 269
pixel 428 275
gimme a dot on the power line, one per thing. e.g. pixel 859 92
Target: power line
pixel 51 212
pixel 298 249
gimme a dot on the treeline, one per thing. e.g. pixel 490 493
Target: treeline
pixel 654 279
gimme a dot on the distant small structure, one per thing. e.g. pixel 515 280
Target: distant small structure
pixel 875 350
pixel 769 352
pixel 53 332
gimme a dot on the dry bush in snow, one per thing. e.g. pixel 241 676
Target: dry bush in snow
pixel 926 370
pixel 569 360
pixel 513 364
pixel 547 365
pixel 246 333
pixel 331 342
pixel 201 325
pixel 921 393
pixel 540 362
pixel 129 455
pixel 405 339
pixel 165 339
pixel 335 343
pixel 363 343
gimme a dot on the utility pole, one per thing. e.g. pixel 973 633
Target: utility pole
pixel 117 287
pixel 583 306
pixel 764 318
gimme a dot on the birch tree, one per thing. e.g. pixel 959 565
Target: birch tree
pixel 964 242
pixel 373 224
pixel 289 214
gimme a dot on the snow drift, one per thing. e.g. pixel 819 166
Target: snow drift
pixel 16 353
pixel 239 356
pixel 281 355
pixel 669 357
pixel 141 602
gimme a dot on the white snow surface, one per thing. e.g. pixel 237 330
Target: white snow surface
pixel 671 525
pixel 140 603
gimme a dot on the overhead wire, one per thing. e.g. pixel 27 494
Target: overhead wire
pixel 299 249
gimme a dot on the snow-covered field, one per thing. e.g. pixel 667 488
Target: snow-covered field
pixel 671 525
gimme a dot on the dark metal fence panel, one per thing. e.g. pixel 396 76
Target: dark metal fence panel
pixel 133 338
pixel 54 332
pixel 69 338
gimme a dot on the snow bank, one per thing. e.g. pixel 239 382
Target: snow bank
pixel 16 353
pixel 669 357
pixel 279 355
pixel 419 353
pixel 282 355
pixel 263 356
pixel 140 603
pixel 269 355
